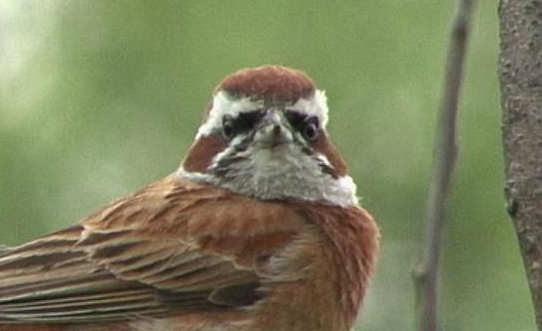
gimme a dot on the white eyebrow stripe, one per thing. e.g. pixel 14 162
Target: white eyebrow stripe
pixel 314 106
pixel 224 104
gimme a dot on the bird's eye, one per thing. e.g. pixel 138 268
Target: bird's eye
pixel 310 129
pixel 308 126
pixel 228 128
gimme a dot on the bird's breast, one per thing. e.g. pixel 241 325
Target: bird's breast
pixel 319 280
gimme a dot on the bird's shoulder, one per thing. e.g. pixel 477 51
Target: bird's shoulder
pixel 198 214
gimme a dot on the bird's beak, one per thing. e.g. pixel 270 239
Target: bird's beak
pixel 273 130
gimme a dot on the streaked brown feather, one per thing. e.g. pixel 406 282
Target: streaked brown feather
pixel 175 246
pixel 179 248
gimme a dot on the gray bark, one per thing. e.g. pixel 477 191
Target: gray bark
pixel 520 70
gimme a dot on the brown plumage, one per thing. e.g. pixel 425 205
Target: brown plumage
pixel 183 255
pixel 270 83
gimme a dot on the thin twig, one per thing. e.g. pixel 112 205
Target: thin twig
pixel 426 271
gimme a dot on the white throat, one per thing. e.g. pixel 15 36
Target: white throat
pixel 284 172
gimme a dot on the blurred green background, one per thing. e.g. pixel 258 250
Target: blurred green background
pixel 99 98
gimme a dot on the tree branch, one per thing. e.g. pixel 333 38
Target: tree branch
pixel 520 72
pixel 426 271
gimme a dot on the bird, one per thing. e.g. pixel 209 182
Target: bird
pixel 259 229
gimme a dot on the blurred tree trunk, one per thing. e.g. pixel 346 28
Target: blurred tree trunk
pixel 521 86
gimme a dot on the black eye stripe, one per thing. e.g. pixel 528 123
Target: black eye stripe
pixel 241 123
pixel 246 120
pixel 295 118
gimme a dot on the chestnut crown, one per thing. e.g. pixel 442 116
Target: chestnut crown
pixel 269 83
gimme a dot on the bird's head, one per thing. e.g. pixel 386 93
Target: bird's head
pixel 265 136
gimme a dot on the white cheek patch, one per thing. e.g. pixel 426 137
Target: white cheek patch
pixel 224 104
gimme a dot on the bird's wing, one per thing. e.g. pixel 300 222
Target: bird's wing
pixel 173 247
pixel 4 249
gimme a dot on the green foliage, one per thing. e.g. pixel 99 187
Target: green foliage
pixel 98 98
